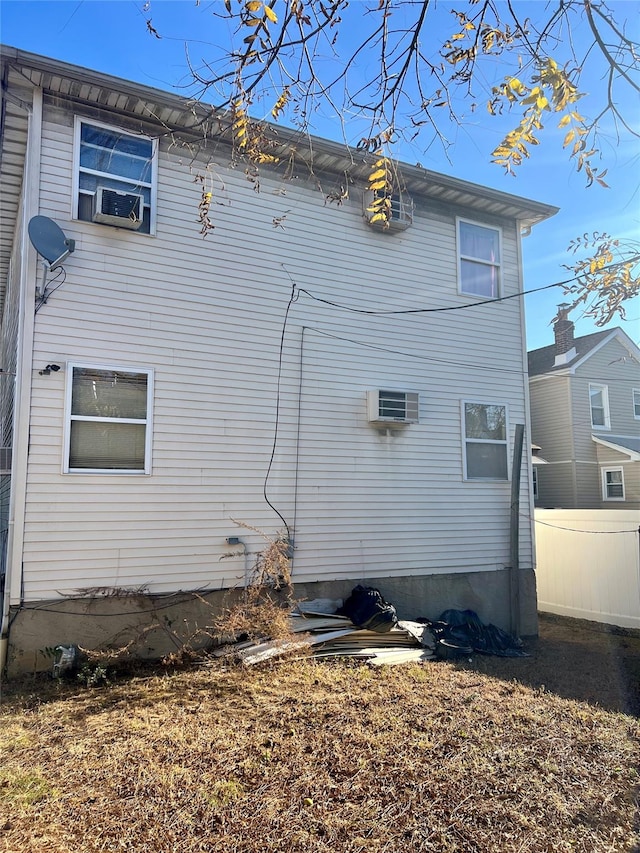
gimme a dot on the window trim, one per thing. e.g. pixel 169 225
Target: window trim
pixel 122 368
pixel 635 395
pixel 534 483
pixel 607 470
pixel 460 257
pixel 605 404
pixel 152 184
pixel 466 440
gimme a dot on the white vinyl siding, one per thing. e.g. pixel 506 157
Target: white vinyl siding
pixel 207 315
pixel 613 484
pixel 479 259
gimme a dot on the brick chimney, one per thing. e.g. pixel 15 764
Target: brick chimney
pixel 563 331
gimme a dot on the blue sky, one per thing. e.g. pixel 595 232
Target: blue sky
pixel 112 36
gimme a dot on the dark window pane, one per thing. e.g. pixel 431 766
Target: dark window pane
pixel 123 165
pixel 116 141
pixel 107 446
pixel 482 421
pixel 486 462
pixel 109 394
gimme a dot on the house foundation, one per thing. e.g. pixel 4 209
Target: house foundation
pixel 154 626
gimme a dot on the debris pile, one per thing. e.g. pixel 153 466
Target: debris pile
pixel 366 627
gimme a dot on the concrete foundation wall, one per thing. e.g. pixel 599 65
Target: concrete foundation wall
pixel 155 626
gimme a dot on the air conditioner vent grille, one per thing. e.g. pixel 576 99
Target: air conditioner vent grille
pixel 112 207
pixel 392 407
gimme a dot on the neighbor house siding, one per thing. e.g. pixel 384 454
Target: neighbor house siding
pixel 613 366
pixel 550 401
pixel 207 316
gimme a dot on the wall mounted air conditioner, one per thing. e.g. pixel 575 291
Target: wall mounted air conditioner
pixel 401 212
pixel 392 407
pixel 111 207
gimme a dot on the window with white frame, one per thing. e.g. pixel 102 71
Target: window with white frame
pixel 485 441
pixel 599 403
pixel 636 404
pixel 612 484
pixel 535 482
pixel 108 419
pixel 479 254
pixel 113 161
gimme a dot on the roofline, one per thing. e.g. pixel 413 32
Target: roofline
pixel 532 211
pixel 569 370
pixel 633 455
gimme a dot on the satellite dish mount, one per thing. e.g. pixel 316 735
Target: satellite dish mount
pixel 49 241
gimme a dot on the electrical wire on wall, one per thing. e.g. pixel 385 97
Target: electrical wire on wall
pixel 292 298
pixel 47 291
pixel 295 295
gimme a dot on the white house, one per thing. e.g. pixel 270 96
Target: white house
pixel 297 371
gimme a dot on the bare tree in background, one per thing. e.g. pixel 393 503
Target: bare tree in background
pixel 389 68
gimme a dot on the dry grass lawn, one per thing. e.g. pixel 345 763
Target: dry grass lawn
pixel 324 758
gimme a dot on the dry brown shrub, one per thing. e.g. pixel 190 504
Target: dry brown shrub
pixel 265 604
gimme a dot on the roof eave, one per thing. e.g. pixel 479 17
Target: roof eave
pixel 335 156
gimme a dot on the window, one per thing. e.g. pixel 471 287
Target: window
pixel 485 438
pixel 479 259
pixel 636 404
pixel 108 420
pixel 110 159
pixel 612 484
pixel 535 483
pixel 599 402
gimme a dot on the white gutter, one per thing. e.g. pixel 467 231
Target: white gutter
pixel 24 370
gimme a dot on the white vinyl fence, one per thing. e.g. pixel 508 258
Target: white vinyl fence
pixel 588 564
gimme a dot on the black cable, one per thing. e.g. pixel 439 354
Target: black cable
pixel 292 298
pixel 46 293
pixel 414 355
pixel 42 609
pixel 458 307
pixel 432 310
pixel 574 529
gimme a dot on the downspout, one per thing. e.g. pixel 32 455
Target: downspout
pixel 514 543
pixel 24 369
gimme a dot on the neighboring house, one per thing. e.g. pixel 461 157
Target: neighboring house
pixel 585 417
pixel 171 389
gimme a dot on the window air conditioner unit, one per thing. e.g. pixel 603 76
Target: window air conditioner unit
pixel 392 407
pixel 5 460
pixel 111 207
pixel 401 213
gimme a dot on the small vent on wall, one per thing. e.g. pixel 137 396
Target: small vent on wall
pixel 5 460
pixel 401 213
pixel 115 208
pixel 392 407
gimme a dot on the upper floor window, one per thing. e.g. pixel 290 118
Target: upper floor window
pixel 612 484
pixel 115 177
pixel 636 403
pixel 479 254
pixel 108 420
pixel 599 402
pixel 485 441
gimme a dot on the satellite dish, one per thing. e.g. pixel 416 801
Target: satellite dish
pixel 49 241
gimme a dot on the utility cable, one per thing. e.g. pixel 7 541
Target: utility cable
pixel 292 298
pixel 455 307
